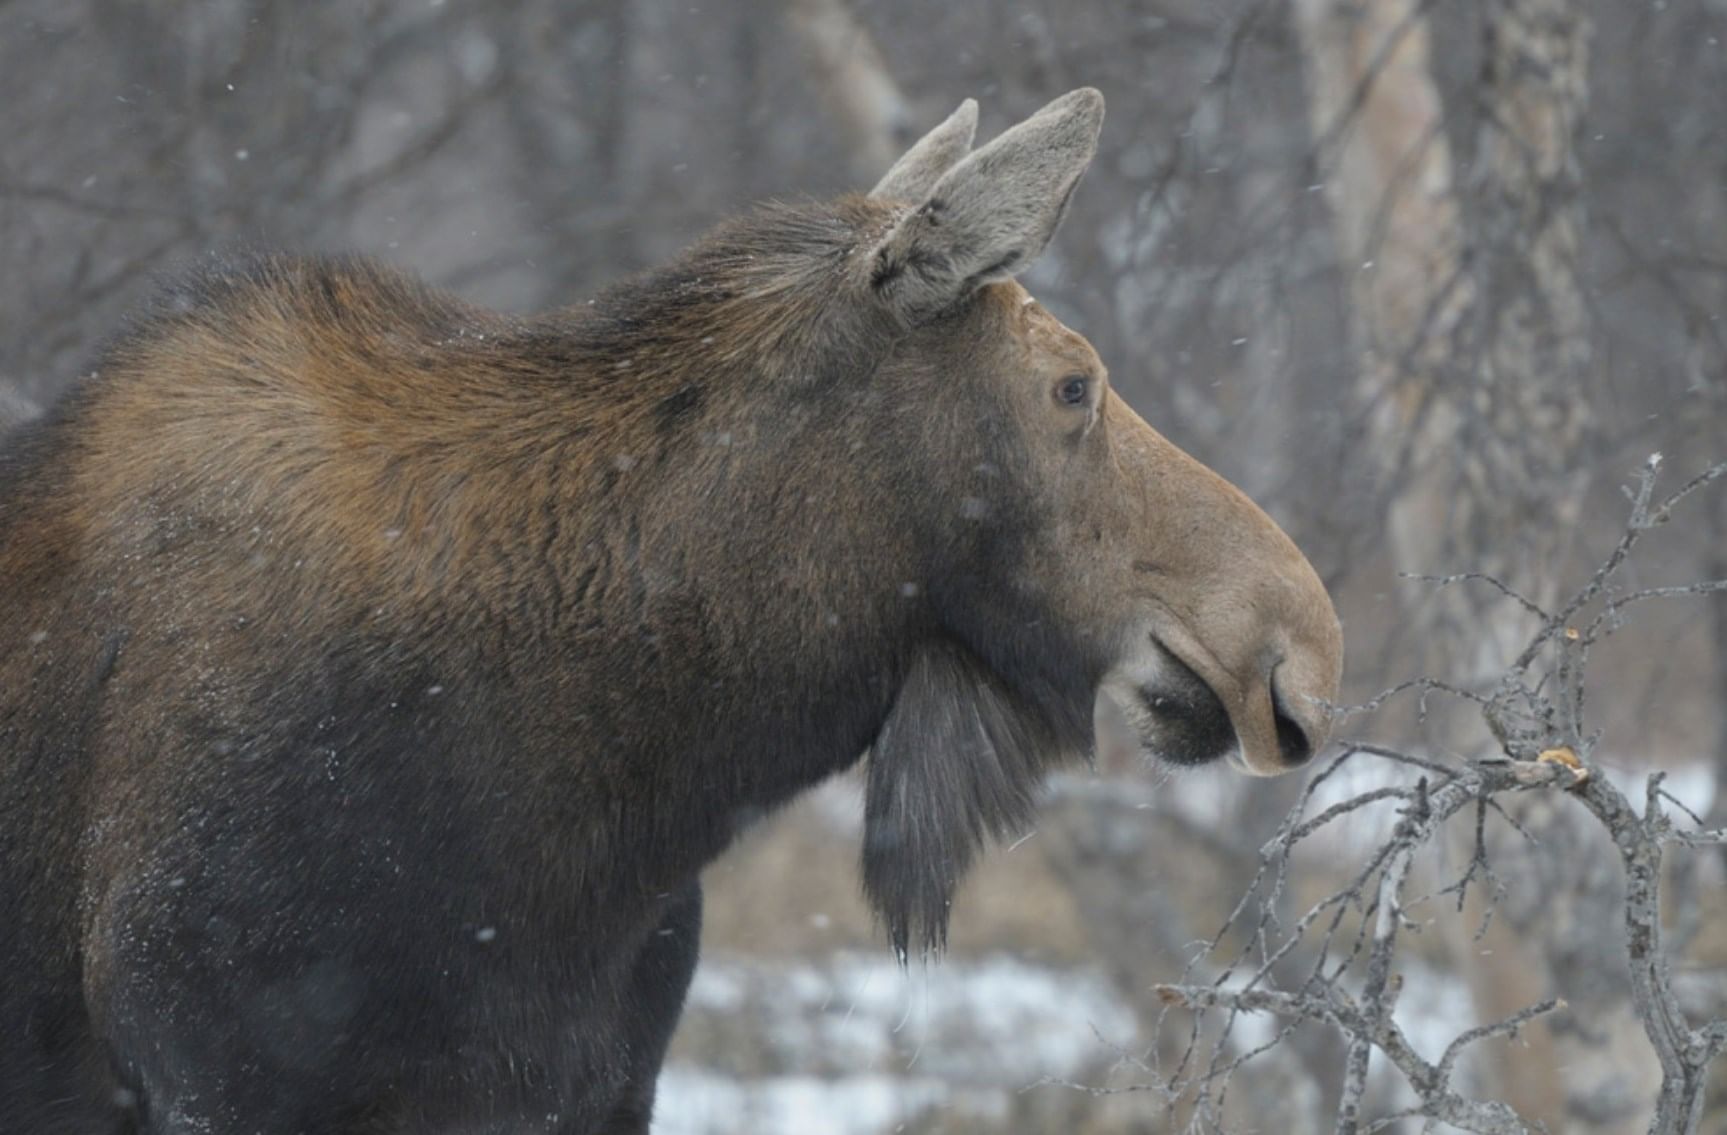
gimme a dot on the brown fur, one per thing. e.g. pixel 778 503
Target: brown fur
pixel 377 673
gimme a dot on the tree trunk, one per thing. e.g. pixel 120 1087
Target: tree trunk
pixel 854 83
pixel 1475 344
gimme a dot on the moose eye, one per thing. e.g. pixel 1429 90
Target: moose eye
pixel 1073 390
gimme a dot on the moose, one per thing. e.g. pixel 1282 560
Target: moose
pixel 378 673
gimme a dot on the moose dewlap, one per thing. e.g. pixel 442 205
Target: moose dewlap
pixel 378 673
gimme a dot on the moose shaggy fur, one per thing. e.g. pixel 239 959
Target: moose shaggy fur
pixel 378 673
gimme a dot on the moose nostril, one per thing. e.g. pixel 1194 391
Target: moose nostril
pixel 1292 740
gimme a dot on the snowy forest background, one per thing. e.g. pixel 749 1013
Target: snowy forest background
pixel 1430 279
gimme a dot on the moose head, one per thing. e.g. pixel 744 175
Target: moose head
pixel 1097 588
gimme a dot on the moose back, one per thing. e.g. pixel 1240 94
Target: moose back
pixel 378 673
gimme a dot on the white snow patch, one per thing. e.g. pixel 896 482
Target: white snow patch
pixel 693 1101
pixel 993 1021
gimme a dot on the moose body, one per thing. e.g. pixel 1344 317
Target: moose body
pixel 377 673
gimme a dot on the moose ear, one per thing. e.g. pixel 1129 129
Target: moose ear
pixel 990 215
pixel 915 174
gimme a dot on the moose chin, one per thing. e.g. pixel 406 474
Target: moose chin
pixel 378 673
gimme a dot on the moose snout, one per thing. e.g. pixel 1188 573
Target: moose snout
pixel 1253 655
pixel 1279 718
pixel 1224 592
pixel 1267 720
pixel 1283 712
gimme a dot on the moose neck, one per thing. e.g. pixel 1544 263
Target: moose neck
pixel 669 515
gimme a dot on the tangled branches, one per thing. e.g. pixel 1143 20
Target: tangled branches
pixel 1337 964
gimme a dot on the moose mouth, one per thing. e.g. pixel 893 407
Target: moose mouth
pixel 1162 709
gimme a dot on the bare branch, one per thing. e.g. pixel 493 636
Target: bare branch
pixel 1337 964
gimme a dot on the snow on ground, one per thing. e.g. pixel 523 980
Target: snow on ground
pixel 694 1101
pixel 858 1046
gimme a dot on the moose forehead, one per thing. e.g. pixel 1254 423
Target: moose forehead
pixel 1027 339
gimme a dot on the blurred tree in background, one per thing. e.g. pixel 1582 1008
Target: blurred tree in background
pixel 1428 279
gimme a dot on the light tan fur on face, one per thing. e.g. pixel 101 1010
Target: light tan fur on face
pixel 1183 557
pixel 1221 586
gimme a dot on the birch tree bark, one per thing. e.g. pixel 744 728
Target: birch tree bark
pixel 853 80
pixel 1473 333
